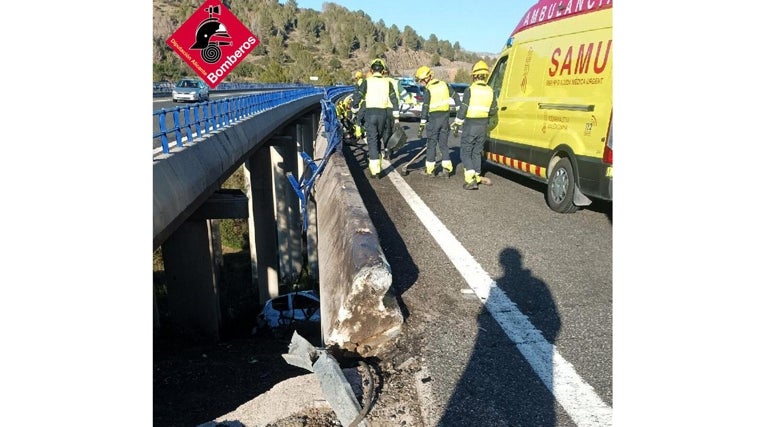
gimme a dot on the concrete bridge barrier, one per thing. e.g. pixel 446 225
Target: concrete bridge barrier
pixel 359 311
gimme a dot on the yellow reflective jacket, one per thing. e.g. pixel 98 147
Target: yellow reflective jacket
pixel 439 95
pixel 481 97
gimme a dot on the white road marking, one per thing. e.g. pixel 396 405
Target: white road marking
pixel 576 396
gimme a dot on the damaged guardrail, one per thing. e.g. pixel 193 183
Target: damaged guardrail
pixel 303 186
pixel 333 383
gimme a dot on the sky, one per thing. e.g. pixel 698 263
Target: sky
pixel 448 20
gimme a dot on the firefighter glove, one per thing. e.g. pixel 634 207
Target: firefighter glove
pixel 455 127
pixel 423 123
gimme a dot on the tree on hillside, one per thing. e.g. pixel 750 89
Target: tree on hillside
pixel 291 9
pixel 303 64
pixel 246 70
pixel 364 30
pixel 276 48
pixel 377 50
pixel 311 25
pixel 445 50
pixel 262 24
pixel 410 39
pixel 431 45
pixel 334 64
pixel 435 60
pixel 381 30
pixel 271 72
pixel 462 76
pixel 393 37
pixel 339 29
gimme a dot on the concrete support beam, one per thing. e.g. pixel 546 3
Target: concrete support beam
pixel 251 224
pixel 287 205
pixel 308 131
pixel 260 169
pixel 192 279
pixel 294 164
pixel 225 203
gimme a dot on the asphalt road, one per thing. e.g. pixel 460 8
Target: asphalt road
pixel 544 360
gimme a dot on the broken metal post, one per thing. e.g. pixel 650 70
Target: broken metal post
pixel 332 381
pixel 301 353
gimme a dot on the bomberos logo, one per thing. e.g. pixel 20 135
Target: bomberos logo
pixel 212 42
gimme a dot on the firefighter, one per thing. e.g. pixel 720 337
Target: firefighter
pixel 478 105
pixel 358 78
pixel 351 121
pixel 389 126
pixel 343 111
pixel 435 111
pixel 379 96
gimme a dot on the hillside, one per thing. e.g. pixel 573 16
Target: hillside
pixel 297 43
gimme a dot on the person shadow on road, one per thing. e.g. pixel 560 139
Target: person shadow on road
pixel 508 380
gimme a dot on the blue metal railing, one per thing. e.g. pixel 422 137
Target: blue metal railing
pixel 333 132
pixel 199 119
pixel 165 87
pixel 193 121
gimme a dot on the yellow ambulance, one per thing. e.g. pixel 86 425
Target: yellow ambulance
pixel 553 84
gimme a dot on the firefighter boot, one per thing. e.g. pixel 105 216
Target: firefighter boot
pixel 447 169
pixel 374 168
pixel 469 180
pixel 429 168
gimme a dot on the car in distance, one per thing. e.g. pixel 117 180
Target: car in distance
pixel 459 89
pixel 411 104
pixel 190 90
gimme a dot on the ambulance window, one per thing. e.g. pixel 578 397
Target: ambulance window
pixel 497 76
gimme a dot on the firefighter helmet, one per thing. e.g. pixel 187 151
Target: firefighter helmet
pixel 480 68
pixel 423 73
pixel 377 65
pixel 358 75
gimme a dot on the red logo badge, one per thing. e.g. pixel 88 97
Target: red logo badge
pixel 212 42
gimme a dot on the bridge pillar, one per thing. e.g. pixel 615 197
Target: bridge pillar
pixel 192 278
pixel 288 206
pixel 262 227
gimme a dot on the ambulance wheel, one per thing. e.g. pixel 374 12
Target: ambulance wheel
pixel 561 187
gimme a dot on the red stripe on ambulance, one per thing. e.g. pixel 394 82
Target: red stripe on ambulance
pixel 518 164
